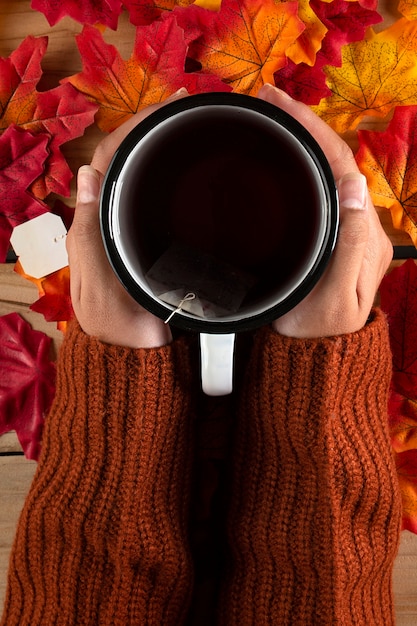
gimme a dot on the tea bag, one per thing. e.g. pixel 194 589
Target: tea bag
pixel 217 287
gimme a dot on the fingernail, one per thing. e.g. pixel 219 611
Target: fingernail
pixel 88 185
pixel 269 93
pixel 177 94
pixel 353 191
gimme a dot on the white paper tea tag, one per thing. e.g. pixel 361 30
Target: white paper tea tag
pixel 40 245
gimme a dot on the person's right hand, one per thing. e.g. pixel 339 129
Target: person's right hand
pixel 101 304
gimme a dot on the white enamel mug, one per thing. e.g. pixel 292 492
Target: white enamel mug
pixel 219 213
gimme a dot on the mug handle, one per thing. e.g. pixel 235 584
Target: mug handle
pixel 217 363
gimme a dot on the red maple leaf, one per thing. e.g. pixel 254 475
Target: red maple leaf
pixel 143 12
pixel 155 70
pixel 406 463
pixel 303 82
pixel 65 212
pixel 27 381
pixel 104 12
pixel 399 300
pixel 346 22
pixel 22 158
pixel 61 113
pixel 55 301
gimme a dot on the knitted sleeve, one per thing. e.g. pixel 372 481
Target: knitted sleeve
pixel 102 537
pixel 315 512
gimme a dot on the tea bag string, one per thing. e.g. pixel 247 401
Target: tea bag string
pixel 189 296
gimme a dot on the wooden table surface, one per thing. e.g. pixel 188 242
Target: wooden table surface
pixel 16 294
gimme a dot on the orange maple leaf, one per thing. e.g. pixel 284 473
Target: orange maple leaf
pixel 377 74
pixel 306 46
pixel 155 70
pixel 212 5
pixel 408 8
pixel 389 161
pixel 245 42
pixel 54 301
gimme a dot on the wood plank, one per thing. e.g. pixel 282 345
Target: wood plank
pixel 405 581
pixel 15 288
pixel 16 476
pixel 16 295
pixel 9 443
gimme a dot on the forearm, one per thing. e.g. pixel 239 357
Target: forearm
pixel 102 538
pixel 315 517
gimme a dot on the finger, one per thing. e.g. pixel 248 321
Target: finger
pixel 338 153
pixel 353 236
pixel 108 146
pixel 84 242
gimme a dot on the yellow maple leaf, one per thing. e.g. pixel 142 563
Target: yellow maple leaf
pixel 389 161
pixel 211 5
pixel 377 74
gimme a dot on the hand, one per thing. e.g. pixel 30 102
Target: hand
pixel 101 304
pixel 342 299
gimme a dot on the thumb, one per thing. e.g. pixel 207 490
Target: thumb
pixel 85 224
pixel 353 233
pixel 84 243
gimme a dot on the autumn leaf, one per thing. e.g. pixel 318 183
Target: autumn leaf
pixel 389 162
pixel 18 268
pixel 144 12
pixel 305 47
pixel 104 12
pixel 406 464
pixel 377 74
pixel 345 22
pixel 408 8
pixel 65 212
pixel 22 158
pixel 19 75
pixel 27 381
pixel 403 421
pixel 302 82
pixel 245 42
pixel 154 71
pixel 55 301
pixel 211 5
pixel 398 292
pixel 399 300
pixel 61 113
pixel 367 4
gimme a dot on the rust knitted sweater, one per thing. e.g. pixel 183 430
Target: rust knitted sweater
pixel 122 502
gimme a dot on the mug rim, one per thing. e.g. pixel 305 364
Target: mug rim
pixel 152 303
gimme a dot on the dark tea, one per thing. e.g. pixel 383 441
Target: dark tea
pixel 220 202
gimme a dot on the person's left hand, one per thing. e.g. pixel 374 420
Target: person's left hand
pixel 101 304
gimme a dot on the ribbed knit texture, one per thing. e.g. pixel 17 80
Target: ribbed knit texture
pixel 314 516
pixel 102 539
pixel 315 512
